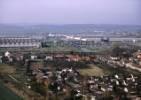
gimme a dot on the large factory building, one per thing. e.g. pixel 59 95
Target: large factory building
pixel 10 42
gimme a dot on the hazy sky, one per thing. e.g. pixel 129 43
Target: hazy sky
pixel 70 11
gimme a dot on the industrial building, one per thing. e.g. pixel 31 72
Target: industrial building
pixel 10 42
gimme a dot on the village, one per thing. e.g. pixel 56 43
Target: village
pixel 73 75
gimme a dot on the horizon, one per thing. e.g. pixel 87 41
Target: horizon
pixel 47 24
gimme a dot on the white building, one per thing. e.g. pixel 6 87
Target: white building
pixel 6 42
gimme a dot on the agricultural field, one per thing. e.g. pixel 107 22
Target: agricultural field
pixel 7 94
pixel 6 69
pixel 93 70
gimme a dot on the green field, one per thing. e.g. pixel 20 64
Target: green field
pixel 7 94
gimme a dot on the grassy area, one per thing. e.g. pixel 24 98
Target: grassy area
pixel 59 48
pixel 93 70
pixel 7 94
pixel 6 69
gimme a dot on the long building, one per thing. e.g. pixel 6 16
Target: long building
pixel 9 42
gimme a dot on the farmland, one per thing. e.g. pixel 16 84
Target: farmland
pixel 7 94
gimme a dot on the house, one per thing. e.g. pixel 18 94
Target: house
pixel 49 58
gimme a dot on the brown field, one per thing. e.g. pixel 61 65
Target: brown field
pixel 6 69
pixel 93 70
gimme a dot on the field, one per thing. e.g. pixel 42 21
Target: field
pixel 7 94
pixel 93 70
pixel 6 69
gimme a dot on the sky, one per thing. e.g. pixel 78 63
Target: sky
pixel 70 12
